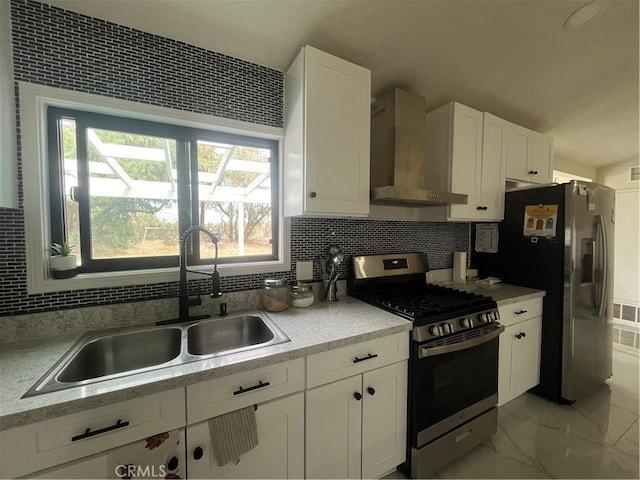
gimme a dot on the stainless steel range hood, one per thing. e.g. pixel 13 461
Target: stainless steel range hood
pixel 399 168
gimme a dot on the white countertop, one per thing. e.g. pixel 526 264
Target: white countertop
pixel 311 330
pixel 317 328
pixel 502 293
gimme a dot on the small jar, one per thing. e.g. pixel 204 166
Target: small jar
pixel 274 295
pixel 302 295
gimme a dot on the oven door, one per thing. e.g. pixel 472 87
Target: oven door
pixel 452 380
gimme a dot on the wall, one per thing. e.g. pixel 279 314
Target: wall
pixel 569 166
pixel 626 309
pixel 67 50
pixel 617 175
pixel 8 188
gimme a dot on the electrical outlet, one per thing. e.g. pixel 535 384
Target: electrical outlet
pixel 304 270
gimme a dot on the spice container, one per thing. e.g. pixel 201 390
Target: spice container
pixel 302 295
pixel 274 295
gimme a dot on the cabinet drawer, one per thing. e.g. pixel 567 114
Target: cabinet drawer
pixel 516 312
pixel 41 445
pixel 343 362
pixel 221 395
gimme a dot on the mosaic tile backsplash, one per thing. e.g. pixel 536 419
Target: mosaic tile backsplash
pixel 67 50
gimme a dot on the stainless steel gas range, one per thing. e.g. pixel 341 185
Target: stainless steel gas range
pixel 453 367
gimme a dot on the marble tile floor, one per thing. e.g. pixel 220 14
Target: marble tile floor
pixel 536 438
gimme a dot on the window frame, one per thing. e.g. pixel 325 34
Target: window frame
pixel 34 102
pixel 186 139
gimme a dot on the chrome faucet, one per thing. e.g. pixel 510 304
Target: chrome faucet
pixel 185 301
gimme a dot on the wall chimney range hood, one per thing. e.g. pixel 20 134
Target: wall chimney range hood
pixel 399 166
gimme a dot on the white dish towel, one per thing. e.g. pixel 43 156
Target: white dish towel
pixel 233 434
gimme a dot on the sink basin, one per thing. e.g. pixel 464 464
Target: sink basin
pixel 223 335
pixel 116 353
pixel 122 353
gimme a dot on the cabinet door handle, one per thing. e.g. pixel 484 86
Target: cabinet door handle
pixel 88 433
pixel 313 194
pixel 173 463
pixel 482 207
pixel 368 357
pixel 357 396
pixel 518 336
pixel 533 172
pixel 371 390
pixel 523 334
pixel 520 312
pixel 198 453
pixel 255 387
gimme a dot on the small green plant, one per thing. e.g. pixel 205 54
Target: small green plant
pixel 61 250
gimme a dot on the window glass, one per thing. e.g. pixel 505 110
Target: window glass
pixel 234 188
pixel 70 182
pixel 133 195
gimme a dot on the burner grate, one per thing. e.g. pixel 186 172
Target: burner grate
pixel 423 302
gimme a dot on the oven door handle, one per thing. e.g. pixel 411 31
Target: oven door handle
pixel 433 351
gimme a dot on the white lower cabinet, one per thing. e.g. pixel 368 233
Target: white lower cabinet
pixel 78 437
pixel 334 430
pixel 97 466
pixel 128 461
pixel 519 354
pixel 94 467
pixel 277 393
pixel 352 424
pixel 384 419
pixel 356 426
pixel 280 449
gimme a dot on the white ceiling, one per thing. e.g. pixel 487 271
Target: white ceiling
pixel 512 58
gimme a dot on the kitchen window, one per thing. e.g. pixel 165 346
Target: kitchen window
pixel 123 190
pixel 121 181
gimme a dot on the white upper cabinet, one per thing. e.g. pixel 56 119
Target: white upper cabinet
pixel 327 131
pixel 466 154
pixel 529 155
pixel 541 158
pixel 494 156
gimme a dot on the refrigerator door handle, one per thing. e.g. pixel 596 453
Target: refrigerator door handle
pixel 604 264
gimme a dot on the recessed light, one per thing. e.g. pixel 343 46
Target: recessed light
pixel 584 14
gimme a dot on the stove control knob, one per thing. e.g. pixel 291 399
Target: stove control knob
pixel 496 316
pixel 436 331
pixel 447 328
pixel 483 318
pixel 466 322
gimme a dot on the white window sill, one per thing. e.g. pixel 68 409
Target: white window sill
pixel 141 277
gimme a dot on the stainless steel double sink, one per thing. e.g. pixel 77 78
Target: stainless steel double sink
pixel 114 353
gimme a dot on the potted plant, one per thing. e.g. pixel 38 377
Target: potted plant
pixel 63 263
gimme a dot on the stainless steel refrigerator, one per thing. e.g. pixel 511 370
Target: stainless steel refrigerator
pixel 559 238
